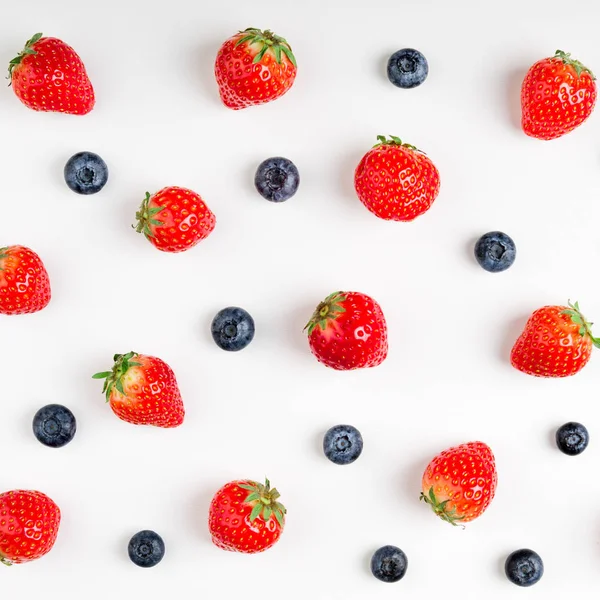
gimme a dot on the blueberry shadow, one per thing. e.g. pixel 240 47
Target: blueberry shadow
pixel 470 250
pixel 318 444
pixel 366 562
pixel 513 81
pixel 552 437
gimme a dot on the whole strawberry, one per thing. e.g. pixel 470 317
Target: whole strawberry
pixel 558 95
pixel 348 331
pixel 556 342
pixel 24 282
pixel 246 516
pixel 459 483
pixel 48 75
pixel 396 181
pixel 29 524
pixel 254 67
pixel 174 219
pixel 143 390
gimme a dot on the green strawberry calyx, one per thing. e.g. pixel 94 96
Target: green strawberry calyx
pixel 394 141
pixel 269 41
pixel 25 52
pixel 3 255
pixel 580 68
pixel 328 310
pixel 114 379
pixel 5 561
pixel 264 501
pixel 585 326
pixel 146 216
pixel 439 508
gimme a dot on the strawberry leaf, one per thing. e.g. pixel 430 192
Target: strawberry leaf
pixel 255 511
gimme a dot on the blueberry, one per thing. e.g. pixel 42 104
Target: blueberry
pixel 232 329
pixel 86 173
pixel 146 548
pixel 277 179
pixel 407 68
pixel 54 425
pixel 495 251
pixel 342 444
pixel 524 567
pixel 389 564
pixel 572 438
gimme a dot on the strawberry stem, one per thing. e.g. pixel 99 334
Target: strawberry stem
pixel 25 52
pixel 395 141
pixel 567 60
pixel 328 310
pixel 270 41
pixel 264 501
pixel 146 216
pixel 114 379
pixel 585 326
pixel 439 508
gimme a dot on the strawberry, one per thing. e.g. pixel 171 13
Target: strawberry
pixel 29 524
pixel 254 67
pixel 24 282
pixel 348 331
pixel 48 75
pixel 396 181
pixel 246 516
pixel 143 390
pixel 459 483
pixel 174 219
pixel 558 95
pixel 556 342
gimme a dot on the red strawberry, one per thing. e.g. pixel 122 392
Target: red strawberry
pixel 174 219
pixel 246 516
pixel 348 331
pixel 29 524
pixel 556 342
pixel 459 483
pixel 48 75
pixel 558 95
pixel 396 181
pixel 143 390
pixel 24 282
pixel 254 67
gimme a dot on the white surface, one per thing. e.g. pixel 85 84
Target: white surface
pixel 158 121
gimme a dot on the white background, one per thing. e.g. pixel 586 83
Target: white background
pixel 158 121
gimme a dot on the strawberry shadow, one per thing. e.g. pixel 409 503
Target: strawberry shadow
pixel 200 62
pixel 513 81
pixel 195 517
pixel 295 337
pixel 512 331
pixel 347 166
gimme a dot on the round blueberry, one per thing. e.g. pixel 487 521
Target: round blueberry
pixel 407 68
pixel 86 173
pixel 232 329
pixel 572 438
pixel 524 567
pixel 389 564
pixel 54 425
pixel 146 548
pixel 495 251
pixel 277 179
pixel 342 444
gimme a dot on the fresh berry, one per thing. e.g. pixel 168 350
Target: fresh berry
pixel 254 67
pixel 146 549
pixel 558 95
pixel 86 173
pixel 524 567
pixel 246 516
pixel 348 331
pixel 495 251
pixel 556 342
pixel 459 483
pixel 277 179
pixel 54 425
pixel 29 524
pixel 342 444
pixel 24 282
pixel 48 75
pixel 232 329
pixel 572 438
pixel 143 390
pixel 407 68
pixel 389 564
pixel 174 219
pixel 396 181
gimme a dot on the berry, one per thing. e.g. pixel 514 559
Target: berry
pixel 54 425
pixel 524 567
pixel 407 68
pixel 86 173
pixel 572 438
pixel 232 329
pixel 277 179
pixel 146 549
pixel 342 444
pixel 495 251
pixel 389 564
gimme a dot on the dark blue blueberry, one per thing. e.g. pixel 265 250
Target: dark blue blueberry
pixel 572 438
pixel 277 179
pixel 389 564
pixel 146 548
pixel 54 425
pixel 232 329
pixel 86 173
pixel 407 68
pixel 524 567
pixel 342 444
pixel 495 251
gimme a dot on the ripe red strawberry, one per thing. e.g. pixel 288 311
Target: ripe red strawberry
pixel 459 483
pixel 558 95
pixel 396 181
pixel 24 282
pixel 556 342
pixel 348 331
pixel 48 75
pixel 246 516
pixel 143 390
pixel 254 67
pixel 174 219
pixel 29 524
